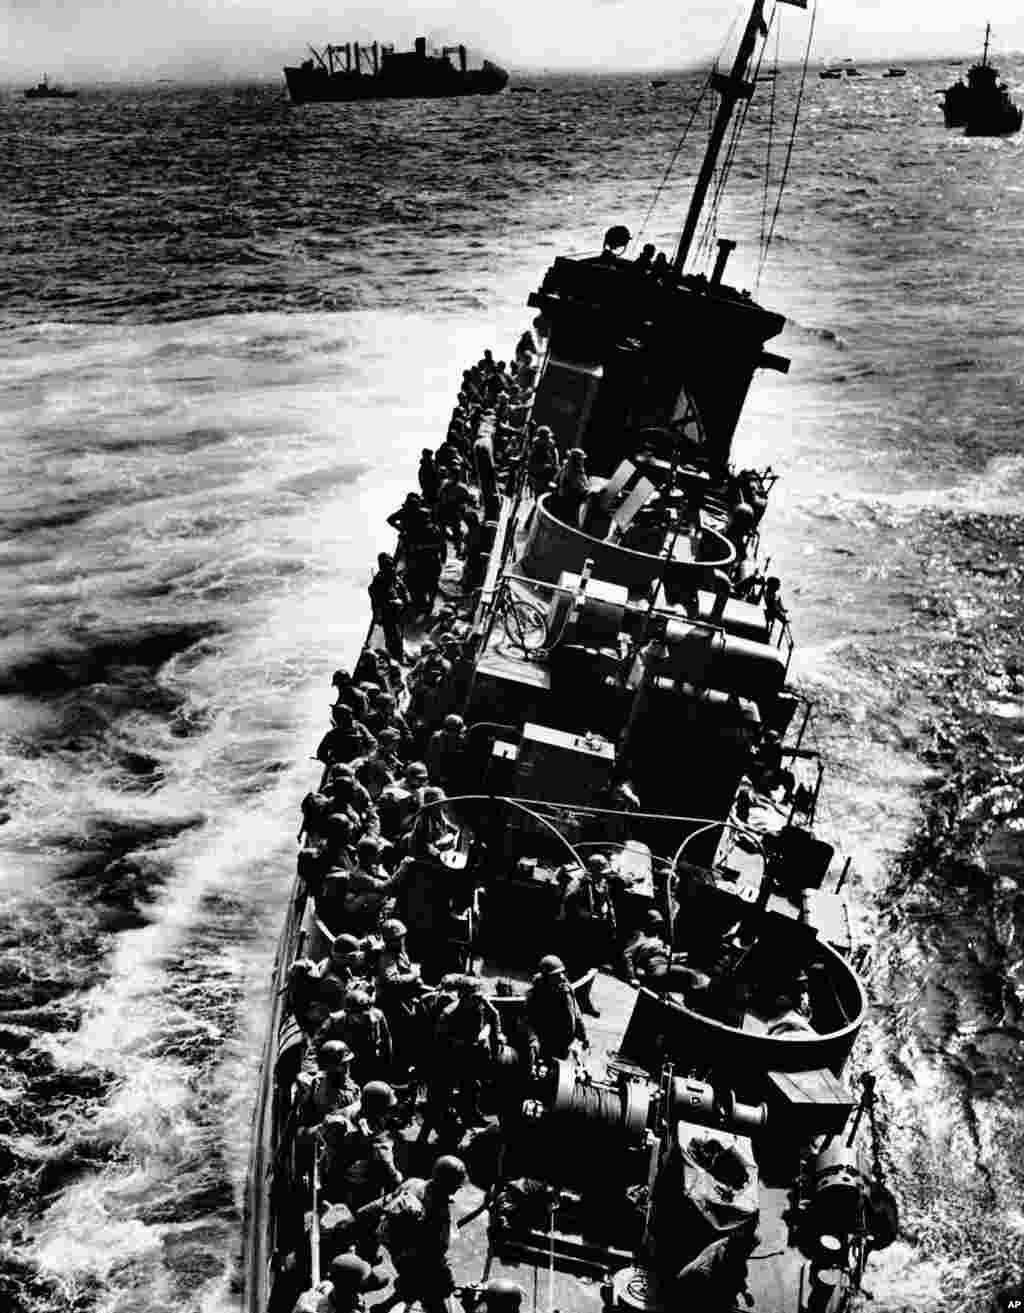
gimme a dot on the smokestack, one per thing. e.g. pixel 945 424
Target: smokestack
pixel 462 59
pixel 725 249
pixel 421 47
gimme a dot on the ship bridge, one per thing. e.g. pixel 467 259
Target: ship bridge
pixel 629 345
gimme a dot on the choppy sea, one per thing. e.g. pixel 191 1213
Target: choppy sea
pixel 229 325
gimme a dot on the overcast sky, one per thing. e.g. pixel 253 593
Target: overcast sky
pixel 106 40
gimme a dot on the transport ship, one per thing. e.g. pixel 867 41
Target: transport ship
pixel 982 105
pixel 379 72
pixel 583 825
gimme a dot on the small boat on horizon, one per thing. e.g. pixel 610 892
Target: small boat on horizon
pixel 895 73
pixel 659 82
pixel 46 90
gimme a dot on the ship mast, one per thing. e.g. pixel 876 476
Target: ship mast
pixel 731 88
pixel 984 53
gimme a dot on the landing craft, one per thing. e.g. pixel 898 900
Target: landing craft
pixel 620 838
pixel 981 105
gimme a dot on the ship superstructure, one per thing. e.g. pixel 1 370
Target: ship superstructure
pixel 982 105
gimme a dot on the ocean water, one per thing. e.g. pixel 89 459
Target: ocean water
pixel 229 326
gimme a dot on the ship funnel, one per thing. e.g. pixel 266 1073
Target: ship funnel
pixel 725 249
pixel 421 47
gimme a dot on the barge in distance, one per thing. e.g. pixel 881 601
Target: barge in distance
pixel 379 72
pixel 566 950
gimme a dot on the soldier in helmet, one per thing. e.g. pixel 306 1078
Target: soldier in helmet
pixel 359 1158
pixel 349 1279
pixel 467 1041
pixel 368 886
pixel 347 737
pixel 365 1029
pixel 383 766
pixel 446 753
pixel 338 973
pixel 399 992
pixel 417 1228
pixel 399 802
pixel 554 1023
pixel 331 1088
pixel 649 961
pixel 301 992
pixel 587 917
pixel 349 797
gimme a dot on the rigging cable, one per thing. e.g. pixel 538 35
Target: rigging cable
pixel 771 139
pixel 792 139
pixel 682 141
pixel 706 240
pixel 672 162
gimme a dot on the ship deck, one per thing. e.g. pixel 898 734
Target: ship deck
pixel 773 1270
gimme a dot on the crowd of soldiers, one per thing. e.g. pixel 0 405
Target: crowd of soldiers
pixel 395 1023
pixel 387 1019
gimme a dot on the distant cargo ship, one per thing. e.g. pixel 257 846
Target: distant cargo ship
pixel 46 91
pixel 351 72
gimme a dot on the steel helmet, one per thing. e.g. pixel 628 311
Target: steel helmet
pixel 392 930
pixel 378 1096
pixel 345 944
pixel 551 965
pixel 449 1173
pixel 500 1294
pixel 598 864
pixel 334 1053
pixel 349 1271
